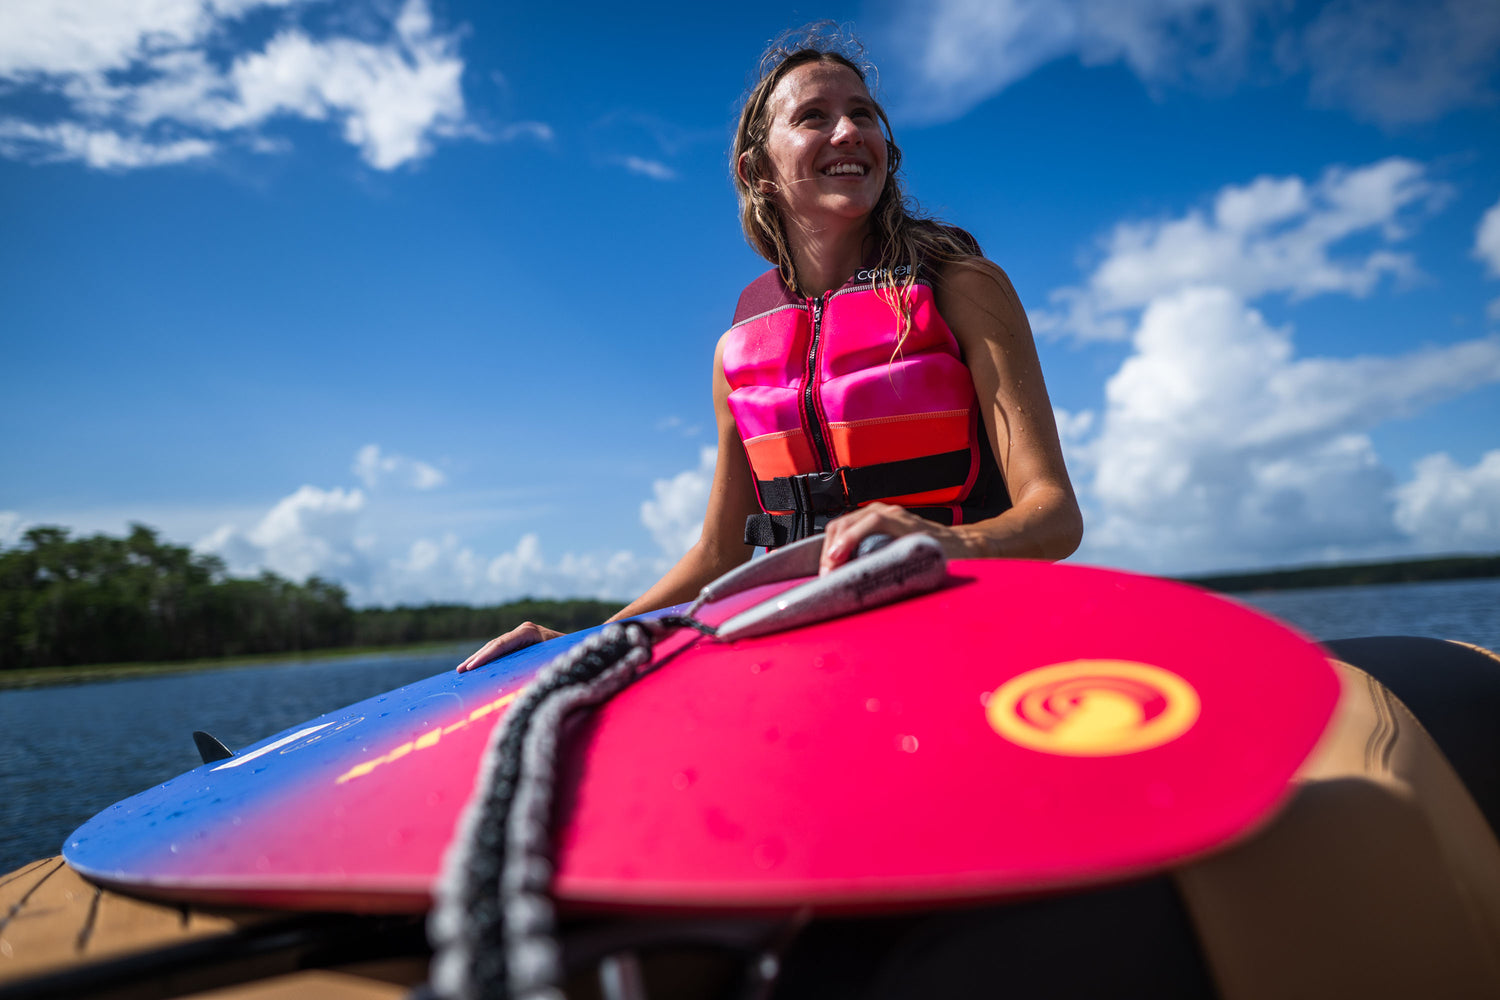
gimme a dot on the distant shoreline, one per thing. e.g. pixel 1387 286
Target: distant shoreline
pixel 35 677
pixel 1352 574
pixel 1296 578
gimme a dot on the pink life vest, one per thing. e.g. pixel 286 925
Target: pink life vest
pixel 833 417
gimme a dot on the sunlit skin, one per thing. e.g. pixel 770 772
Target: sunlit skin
pixel 823 123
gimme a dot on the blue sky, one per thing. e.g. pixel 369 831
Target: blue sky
pixel 422 296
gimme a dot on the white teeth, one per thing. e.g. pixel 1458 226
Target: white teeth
pixel 845 168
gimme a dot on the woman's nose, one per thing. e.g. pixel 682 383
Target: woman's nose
pixel 845 132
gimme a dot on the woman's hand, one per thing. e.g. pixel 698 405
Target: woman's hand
pixel 523 635
pixel 842 536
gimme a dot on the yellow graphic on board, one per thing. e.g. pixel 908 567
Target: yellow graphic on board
pixel 427 739
pixel 1093 708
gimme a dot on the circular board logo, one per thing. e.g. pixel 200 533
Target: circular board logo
pixel 1093 708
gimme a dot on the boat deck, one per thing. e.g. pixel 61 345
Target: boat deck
pixel 64 937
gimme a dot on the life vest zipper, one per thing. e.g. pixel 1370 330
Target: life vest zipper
pixel 809 394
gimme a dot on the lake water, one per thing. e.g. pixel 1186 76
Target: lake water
pixel 67 752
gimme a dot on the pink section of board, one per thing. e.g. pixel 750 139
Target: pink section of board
pixel 854 763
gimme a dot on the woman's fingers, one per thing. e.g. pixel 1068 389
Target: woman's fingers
pixel 523 635
pixel 842 536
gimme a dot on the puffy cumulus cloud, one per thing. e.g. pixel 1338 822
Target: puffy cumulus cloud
pixel 373 467
pixel 674 514
pixel 312 532
pixel 525 570
pixel 1385 60
pixel 1395 62
pixel 448 570
pixel 359 540
pixel 65 37
pixel 1218 446
pixel 1273 235
pixel 148 84
pixel 1448 508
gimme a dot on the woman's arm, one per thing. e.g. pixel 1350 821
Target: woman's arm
pixel 720 547
pixel 1044 522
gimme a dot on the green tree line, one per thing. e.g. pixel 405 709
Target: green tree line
pixel 1354 574
pixel 101 599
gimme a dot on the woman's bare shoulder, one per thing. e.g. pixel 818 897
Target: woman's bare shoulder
pixel 977 299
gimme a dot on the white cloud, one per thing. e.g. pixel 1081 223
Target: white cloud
pixel 373 467
pixel 1386 60
pixel 391 97
pixel 100 148
pixel 11 527
pixel 143 74
pixel 358 540
pixel 1219 447
pixel 675 514
pixel 536 131
pixel 964 51
pixel 309 533
pixel 1448 508
pixel 448 570
pixel 90 36
pixel 1274 235
pixel 1396 62
pixel 648 168
pixel 1487 240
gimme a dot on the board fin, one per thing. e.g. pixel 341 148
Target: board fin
pixel 209 748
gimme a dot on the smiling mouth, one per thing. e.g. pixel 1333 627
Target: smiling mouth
pixel 846 169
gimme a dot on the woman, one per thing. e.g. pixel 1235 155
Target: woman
pixel 926 411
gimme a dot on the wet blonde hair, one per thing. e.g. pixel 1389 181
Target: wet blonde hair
pixel 902 234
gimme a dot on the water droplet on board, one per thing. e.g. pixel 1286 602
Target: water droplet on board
pixel 909 744
pixel 768 853
pixel 872 704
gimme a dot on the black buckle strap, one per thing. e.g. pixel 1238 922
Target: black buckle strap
pixel 848 487
pixel 815 493
pixel 815 498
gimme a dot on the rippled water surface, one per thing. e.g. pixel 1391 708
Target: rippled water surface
pixel 1466 610
pixel 67 752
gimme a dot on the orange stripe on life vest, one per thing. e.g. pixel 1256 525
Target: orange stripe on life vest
pixel 783 453
pixel 894 439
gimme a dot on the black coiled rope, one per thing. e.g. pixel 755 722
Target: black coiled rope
pixel 493 927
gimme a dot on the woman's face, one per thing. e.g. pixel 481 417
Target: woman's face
pixel 825 151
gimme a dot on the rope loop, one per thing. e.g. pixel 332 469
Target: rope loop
pixel 493 926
